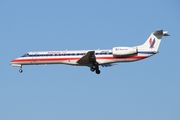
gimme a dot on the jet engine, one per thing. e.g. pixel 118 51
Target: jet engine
pixel 122 51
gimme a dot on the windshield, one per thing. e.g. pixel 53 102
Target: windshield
pixel 25 55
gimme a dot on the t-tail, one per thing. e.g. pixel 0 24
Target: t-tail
pixel 154 40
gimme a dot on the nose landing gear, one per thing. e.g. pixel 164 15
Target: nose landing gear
pixel 20 70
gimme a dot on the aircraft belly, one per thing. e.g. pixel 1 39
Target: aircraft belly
pixel 71 62
pixel 120 59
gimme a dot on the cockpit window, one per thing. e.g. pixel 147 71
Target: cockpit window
pixel 25 55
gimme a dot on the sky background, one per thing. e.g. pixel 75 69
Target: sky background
pixel 142 90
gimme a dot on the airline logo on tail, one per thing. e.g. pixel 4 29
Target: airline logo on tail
pixel 152 43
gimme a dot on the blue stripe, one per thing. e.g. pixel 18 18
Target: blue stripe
pixel 66 54
pixel 152 45
pixel 147 52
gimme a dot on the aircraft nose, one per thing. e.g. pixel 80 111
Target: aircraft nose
pixel 15 62
pixel 12 61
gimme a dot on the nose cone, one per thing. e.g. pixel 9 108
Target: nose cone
pixel 14 62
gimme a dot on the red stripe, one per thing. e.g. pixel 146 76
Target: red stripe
pixel 60 59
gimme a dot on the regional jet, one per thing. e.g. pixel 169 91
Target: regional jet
pixel 93 58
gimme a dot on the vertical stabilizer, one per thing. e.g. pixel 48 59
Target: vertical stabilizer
pixel 154 40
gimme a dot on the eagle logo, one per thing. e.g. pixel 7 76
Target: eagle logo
pixel 152 42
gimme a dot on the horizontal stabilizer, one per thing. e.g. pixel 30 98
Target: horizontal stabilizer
pixel 161 32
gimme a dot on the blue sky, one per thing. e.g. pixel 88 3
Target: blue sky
pixel 147 89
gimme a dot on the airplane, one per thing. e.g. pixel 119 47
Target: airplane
pixel 93 58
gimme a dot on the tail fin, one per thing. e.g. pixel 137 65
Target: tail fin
pixel 154 40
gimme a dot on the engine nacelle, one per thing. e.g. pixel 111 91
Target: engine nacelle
pixel 122 51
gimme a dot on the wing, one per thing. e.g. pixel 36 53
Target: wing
pixel 107 65
pixel 87 59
